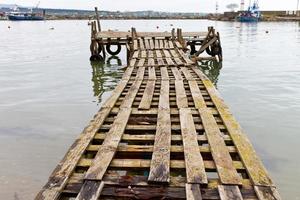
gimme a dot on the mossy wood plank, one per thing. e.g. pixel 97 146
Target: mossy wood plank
pixel 195 169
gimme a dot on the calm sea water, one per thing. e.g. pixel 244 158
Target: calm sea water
pixel 49 91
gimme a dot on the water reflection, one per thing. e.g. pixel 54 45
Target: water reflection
pixel 106 75
pixel 211 69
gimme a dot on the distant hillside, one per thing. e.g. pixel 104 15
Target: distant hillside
pixel 104 14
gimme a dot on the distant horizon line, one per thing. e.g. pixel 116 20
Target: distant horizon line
pixel 92 10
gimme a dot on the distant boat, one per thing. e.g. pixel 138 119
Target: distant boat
pixel 253 14
pixel 16 15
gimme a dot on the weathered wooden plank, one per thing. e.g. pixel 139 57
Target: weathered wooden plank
pixel 195 169
pixel 62 172
pixel 132 62
pixel 178 45
pixel 161 44
pixel 158 53
pixel 127 137
pixel 167 53
pixel 181 98
pixel 115 95
pixel 254 166
pixel 178 61
pixel 127 73
pixel 164 73
pixel 143 54
pixel 166 42
pixel 151 44
pixel 90 190
pixel 147 45
pixel 156 44
pixel 160 163
pixel 160 62
pixel 141 62
pixel 135 45
pixel 129 98
pixel 221 156
pixel 145 163
pixel 148 95
pixel 170 62
pixel 197 95
pixel 171 45
pixel 176 73
pixel 187 74
pixel 267 193
pixel 151 62
pixel 152 75
pixel 229 192
pixel 135 54
pixel 108 149
pixel 193 192
pixel 142 46
pixel 185 57
pixel 149 148
pixel 164 95
pixel 173 53
pixel 150 54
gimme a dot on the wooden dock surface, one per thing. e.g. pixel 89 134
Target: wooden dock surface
pixel 124 34
pixel 165 133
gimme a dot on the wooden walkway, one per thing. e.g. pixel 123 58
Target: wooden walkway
pixel 164 133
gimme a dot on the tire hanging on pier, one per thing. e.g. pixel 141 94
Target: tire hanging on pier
pixel 214 49
pixel 193 48
pixel 113 53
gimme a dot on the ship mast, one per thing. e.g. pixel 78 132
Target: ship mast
pixel 242 5
pixel 297 9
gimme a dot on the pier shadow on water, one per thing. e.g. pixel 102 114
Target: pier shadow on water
pixel 105 75
pixel 211 69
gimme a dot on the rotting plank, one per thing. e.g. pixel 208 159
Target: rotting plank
pixel 254 166
pixel 195 169
pixel 90 190
pixel 151 44
pixel 267 193
pixel 158 53
pixel 229 192
pixel 193 192
pixel 224 163
pixel 170 61
pixel 142 46
pixel 104 157
pixel 176 73
pixel 108 149
pixel 160 163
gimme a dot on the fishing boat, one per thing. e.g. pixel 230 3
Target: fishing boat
pixel 16 15
pixel 253 14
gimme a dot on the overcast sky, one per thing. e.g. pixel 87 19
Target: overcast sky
pixel 159 5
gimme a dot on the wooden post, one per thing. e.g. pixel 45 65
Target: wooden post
pixel 98 19
pixel 173 34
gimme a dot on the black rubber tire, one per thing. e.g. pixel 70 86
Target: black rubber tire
pixel 113 53
pixel 193 49
pixel 96 58
pixel 213 50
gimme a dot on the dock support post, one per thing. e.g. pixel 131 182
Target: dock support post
pixel 98 19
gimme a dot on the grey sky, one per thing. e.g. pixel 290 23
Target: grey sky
pixel 160 5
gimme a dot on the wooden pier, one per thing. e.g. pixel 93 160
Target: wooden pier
pixel 165 133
